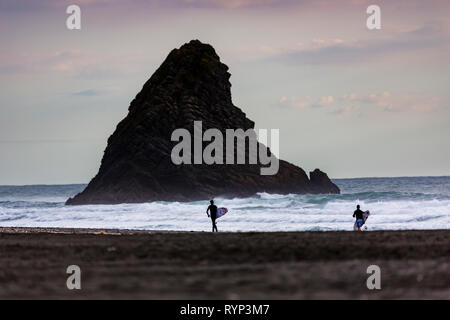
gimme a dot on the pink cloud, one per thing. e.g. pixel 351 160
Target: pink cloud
pixel 399 102
pixel 353 103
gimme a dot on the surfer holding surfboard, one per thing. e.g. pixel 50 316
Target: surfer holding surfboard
pixel 215 213
pixel 212 208
pixel 361 217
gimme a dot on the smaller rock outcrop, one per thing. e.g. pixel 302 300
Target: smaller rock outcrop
pixel 321 181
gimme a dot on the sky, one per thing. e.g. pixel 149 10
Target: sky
pixel 351 101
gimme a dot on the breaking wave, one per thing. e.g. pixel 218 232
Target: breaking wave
pixel 395 203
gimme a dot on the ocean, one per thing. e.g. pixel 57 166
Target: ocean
pixel 394 203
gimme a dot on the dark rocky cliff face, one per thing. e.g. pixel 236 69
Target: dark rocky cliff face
pixel 191 85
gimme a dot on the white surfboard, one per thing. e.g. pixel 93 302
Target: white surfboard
pixel 366 214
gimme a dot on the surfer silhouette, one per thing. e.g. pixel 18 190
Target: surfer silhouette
pixel 212 208
pixel 358 214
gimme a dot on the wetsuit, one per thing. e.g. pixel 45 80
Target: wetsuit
pixel 213 213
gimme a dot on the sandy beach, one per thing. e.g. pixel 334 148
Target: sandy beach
pixel 195 265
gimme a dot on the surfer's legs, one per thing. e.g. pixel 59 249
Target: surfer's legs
pixel 214 226
pixel 359 223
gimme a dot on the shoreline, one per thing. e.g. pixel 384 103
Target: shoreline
pixel 136 264
pixel 119 231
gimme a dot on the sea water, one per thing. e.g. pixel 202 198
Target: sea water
pixel 394 203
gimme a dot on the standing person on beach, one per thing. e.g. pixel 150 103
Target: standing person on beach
pixel 359 217
pixel 212 208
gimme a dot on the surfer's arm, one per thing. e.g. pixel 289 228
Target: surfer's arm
pixel 207 212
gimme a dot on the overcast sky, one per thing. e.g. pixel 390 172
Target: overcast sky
pixel 350 101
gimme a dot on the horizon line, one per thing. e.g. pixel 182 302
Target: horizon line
pixel 354 178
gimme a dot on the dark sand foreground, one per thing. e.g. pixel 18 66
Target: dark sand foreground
pixel 196 265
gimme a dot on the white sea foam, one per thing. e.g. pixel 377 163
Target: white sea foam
pixel 390 210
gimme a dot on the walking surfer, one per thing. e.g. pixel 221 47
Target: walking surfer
pixel 212 208
pixel 358 214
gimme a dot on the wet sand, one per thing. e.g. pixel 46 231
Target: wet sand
pixel 123 264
